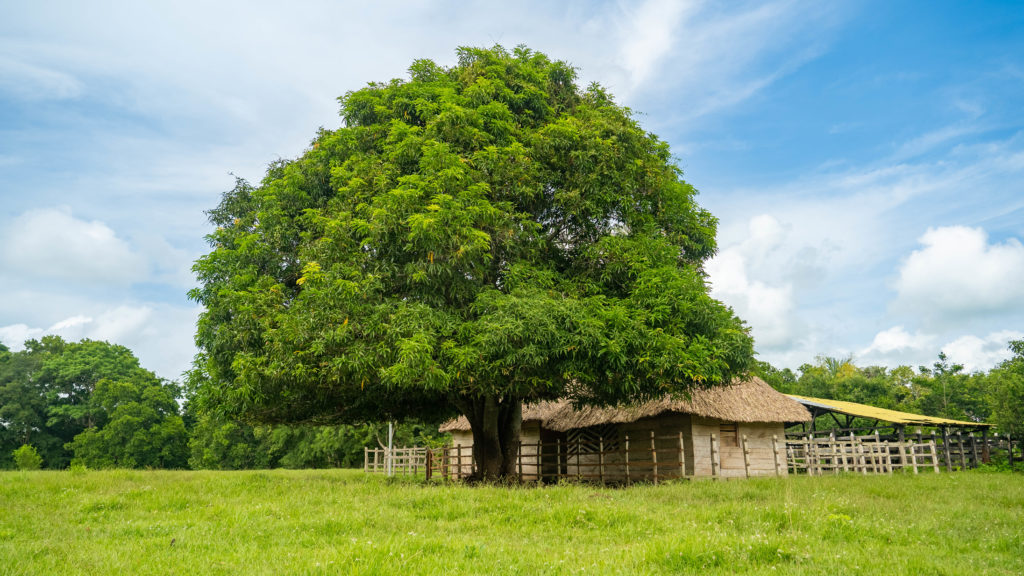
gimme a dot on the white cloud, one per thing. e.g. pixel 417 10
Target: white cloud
pixel 958 272
pixel 898 340
pixel 722 56
pixel 845 230
pixel 896 346
pixel 160 335
pixel 122 323
pixel 768 308
pixel 931 140
pixel 648 35
pixel 15 335
pixel 69 323
pixel 53 244
pixel 32 82
pixel 981 353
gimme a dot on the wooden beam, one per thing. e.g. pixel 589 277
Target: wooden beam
pixel 833 415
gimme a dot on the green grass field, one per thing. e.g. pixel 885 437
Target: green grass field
pixel 343 522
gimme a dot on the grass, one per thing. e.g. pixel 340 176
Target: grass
pixel 343 522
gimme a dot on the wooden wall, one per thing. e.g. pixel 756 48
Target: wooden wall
pixel 696 440
pixel 759 441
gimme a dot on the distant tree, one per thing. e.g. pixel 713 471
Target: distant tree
pixel 70 374
pixel 231 445
pixel 24 409
pixel 139 425
pixel 54 391
pixel 784 380
pixel 28 458
pixel 473 238
pixel 1006 385
pixel 947 391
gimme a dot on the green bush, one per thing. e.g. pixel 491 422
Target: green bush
pixel 28 458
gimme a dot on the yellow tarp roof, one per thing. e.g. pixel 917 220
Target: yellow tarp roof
pixel 865 411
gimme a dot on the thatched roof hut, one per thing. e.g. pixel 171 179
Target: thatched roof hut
pixel 749 401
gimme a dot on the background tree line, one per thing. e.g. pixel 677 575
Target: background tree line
pixel 944 389
pixel 92 403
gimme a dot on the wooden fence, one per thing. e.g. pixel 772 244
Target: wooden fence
pixel 955 451
pixel 656 458
pixel 401 461
pixel 819 456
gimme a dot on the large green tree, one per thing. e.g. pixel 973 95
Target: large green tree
pixel 472 238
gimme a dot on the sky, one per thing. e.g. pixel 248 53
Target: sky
pixel 865 159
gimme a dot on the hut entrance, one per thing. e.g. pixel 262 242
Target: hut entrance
pixel 731 454
pixel 552 455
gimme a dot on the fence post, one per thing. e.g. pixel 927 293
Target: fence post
pixel 791 458
pixel 879 459
pixel 913 455
pixel 945 449
pixel 837 447
pixel 902 438
pixel 974 450
pixel 935 456
pixel 830 449
pixel 812 456
pixel 579 459
pixel 600 458
pixel 538 457
pixel 682 456
pixel 558 459
pixel 746 457
pixel 519 460
pixel 775 452
pixel 714 457
pixel 428 464
pixel 627 459
pixel 854 453
pixel 963 450
pixel 458 462
pixel 654 459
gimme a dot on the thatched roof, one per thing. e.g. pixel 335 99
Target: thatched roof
pixel 752 400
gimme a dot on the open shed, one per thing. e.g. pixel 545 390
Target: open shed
pixel 954 440
pixel 849 411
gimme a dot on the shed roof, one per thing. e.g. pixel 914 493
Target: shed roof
pixel 886 415
pixel 751 400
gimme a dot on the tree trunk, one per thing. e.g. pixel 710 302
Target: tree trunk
pixel 496 424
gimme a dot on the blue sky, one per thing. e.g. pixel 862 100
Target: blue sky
pixel 865 159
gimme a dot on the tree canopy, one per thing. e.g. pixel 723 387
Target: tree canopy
pixel 473 237
pixel 91 401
